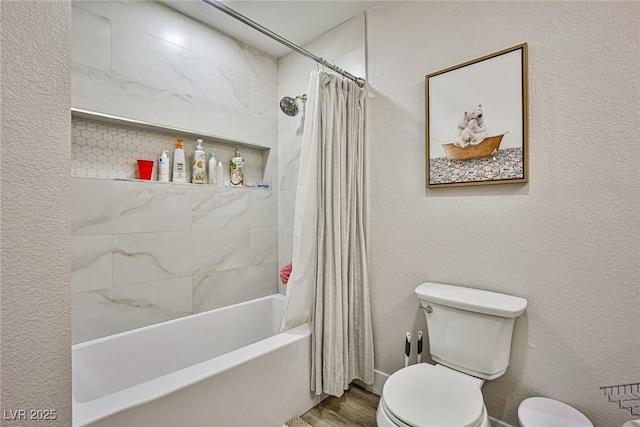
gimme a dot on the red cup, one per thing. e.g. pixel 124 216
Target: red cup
pixel 145 167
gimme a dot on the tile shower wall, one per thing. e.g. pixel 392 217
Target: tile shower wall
pixel 146 252
pixel 343 46
pixel 142 60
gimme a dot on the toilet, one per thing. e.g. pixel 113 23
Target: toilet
pixel 542 411
pixel 470 340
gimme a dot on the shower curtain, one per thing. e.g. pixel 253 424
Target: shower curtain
pixel 329 282
pixel 302 280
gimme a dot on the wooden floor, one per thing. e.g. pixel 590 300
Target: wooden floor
pixel 356 407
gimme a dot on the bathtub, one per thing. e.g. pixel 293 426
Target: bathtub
pixel 225 367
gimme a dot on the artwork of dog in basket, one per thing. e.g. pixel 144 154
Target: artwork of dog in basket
pixel 471 129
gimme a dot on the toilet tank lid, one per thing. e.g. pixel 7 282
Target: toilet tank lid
pixel 475 300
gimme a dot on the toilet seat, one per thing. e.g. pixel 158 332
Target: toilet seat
pixel 542 411
pixel 424 395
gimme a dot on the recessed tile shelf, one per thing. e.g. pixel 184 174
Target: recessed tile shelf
pixel 105 146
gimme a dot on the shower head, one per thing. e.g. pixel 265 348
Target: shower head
pixel 289 105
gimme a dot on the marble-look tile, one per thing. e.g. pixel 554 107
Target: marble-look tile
pixel 209 42
pixel 143 257
pixel 288 166
pixel 220 83
pixel 263 211
pixel 90 263
pixel 110 207
pixel 216 208
pixel 109 311
pixel 155 256
pixel 165 66
pixel 270 171
pixel 264 66
pixel 233 208
pixel 229 287
pixel 285 245
pixel 149 16
pixel 95 90
pixel 227 122
pixel 264 245
pixel 264 98
pixel 286 208
pixel 290 131
pixel 144 58
pixel 90 39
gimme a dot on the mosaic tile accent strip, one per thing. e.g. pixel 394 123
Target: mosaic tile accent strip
pixel 105 150
pixel 508 164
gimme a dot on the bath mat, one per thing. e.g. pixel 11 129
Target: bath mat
pixel 296 422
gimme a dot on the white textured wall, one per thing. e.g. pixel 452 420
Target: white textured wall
pixel 343 46
pixel 36 258
pixel 568 241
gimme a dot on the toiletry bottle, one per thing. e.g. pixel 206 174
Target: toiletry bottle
pixel 163 167
pixel 213 172
pixel 199 169
pixel 236 171
pixel 179 174
pixel 219 174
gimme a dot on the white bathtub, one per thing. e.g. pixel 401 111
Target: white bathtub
pixel 225 367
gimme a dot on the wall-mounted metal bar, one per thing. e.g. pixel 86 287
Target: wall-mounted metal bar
pixel 226 9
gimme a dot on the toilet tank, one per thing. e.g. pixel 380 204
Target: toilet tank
pixel 470 329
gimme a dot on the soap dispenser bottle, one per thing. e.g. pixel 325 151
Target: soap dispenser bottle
pixel 199 169
pixel 179 174
pixel 236 171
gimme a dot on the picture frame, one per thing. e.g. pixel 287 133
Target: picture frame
pixel 477 125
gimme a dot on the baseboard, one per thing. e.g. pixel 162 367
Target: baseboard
pixel 378 382
pixel 498 423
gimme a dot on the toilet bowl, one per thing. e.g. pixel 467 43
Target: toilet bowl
pixel 542 411
pixel 424 395
pixel 470 340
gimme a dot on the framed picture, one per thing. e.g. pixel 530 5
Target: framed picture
pixel 477 121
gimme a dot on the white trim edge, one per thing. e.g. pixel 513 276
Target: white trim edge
pixel 379 379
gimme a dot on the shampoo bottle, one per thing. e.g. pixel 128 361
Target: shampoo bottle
pixel 236 171
pixel 163 167
pixel 213 171
pixel 219 174
pixel 199 169
pixel 179 174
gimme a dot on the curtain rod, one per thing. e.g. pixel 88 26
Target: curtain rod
pixel 226 9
